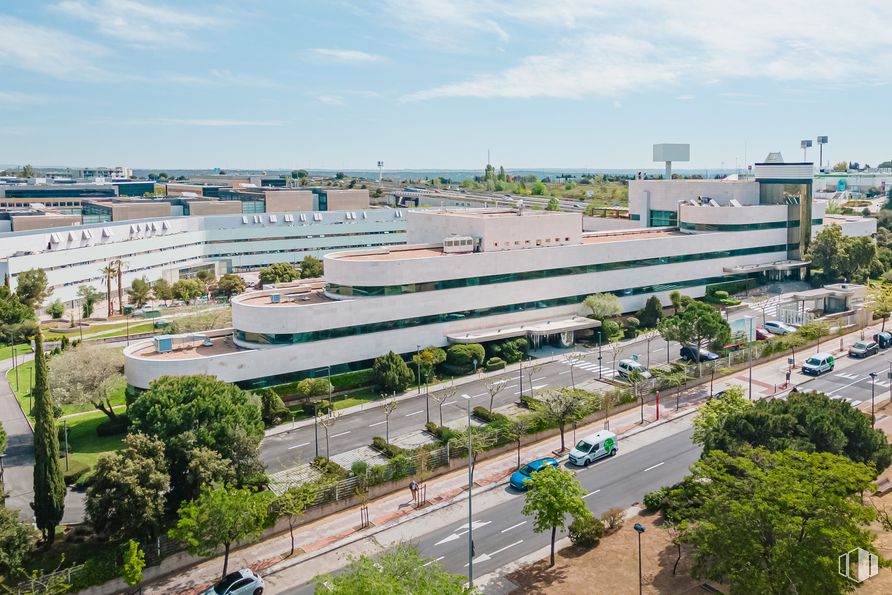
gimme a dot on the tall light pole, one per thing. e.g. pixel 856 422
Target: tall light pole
pixel 889 378
pixel 805 144
pixel 418 371
pixel 467 399
pixel 873 384
pixel 380 172
pixel 822 140
pixel 639 528
pixel 752 337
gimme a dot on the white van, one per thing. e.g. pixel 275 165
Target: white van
pixel 625 367
pixel 818 364
pixel 600 444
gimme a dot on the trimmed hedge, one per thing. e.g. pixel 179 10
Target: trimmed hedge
pixel 351 380
pixel 329 468
pixel 443 433
pixel 495 363
pixel 529 402
pixel 390 451
pixel 460 358
pixel 76 470
pixel 490 417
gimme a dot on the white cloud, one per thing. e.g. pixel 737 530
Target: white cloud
pixel 604 47
pixel 684 97
pixel 47 51
pixel 339 55
pixel 16 98
pixel 220 77
pixel 330 99
pixel 203 122
pixel 140 24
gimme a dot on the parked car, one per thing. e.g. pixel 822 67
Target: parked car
pixel 763 334
pixel 693 354
pixel 520 477
pixel 864 349
pixel 778 328
pixel 593 447
pixel 240 582
pixel 818 364
pixel 626 367
pixel 883 339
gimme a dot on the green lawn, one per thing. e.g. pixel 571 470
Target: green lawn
pixel 83 443
pixel 6 350
pixel 25 374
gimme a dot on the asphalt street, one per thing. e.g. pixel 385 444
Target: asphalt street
pixel 853 384
pixel 288 449
pixel 503 534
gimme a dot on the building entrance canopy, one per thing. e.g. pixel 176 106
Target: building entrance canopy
pixel 536 328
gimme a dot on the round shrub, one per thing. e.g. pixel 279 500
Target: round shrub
pixel 460 358
pixel 654 500
pixel 721 294
pixel 495 363
pixel 586 531
pixel 609 328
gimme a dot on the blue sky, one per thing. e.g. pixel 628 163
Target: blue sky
pixel 435 83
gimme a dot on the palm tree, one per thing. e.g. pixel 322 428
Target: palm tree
pixel 120 266
pixel 108 271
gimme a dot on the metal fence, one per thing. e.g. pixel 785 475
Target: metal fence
pixel 41 584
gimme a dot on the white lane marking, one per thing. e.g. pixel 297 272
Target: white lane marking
pixel 379 423
pixel 499 551
pixel 297 445
pixel 514 526
pixel 414 413
pixel 449 403
pixel 480 395
pixel 341 434
pixel 434 560
pixel 540 378
pixel 596 491
pixel 657 350
pixel 538 386
pixel 848 385
pixel 564 372
pixel 655 466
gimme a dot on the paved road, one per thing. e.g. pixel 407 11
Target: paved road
pixel 285 450
pixel 502 534
pixel 854 383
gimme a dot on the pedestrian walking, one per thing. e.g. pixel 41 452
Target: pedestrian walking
pixel 413 487
pixel 787 383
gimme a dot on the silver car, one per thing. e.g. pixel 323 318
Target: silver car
pixel 240 582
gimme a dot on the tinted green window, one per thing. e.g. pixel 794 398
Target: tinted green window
pixel 663 218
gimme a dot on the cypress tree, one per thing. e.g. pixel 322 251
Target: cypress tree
pixel 49 485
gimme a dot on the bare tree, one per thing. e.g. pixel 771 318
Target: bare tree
pixel 649 337
pixel 328 420
pixel 519 428
pixel 573 359
pixel 494 387
pixel 635 379
pixel 561 406
pixel 441 397
pixel 616 350
pixel 531 371
pixel 389 406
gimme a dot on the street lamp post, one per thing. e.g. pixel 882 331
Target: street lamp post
pixel 873 384
pixel 600 371
pixel 639 528
pixel 889 378
pixel 418 372
pixel 470 508
pixel 65 429
pixel 520 374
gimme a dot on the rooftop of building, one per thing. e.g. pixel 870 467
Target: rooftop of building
pixel 189 349
pixel 491 213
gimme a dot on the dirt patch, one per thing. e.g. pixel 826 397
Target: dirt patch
pixel 613 565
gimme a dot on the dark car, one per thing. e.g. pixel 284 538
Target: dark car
pixel 864 349
pixel 693 354
pixel 883 339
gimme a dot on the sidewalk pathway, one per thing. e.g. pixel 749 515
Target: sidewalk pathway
pixel 18 463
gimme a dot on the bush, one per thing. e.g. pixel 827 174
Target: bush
pixel 377 474
pixel 65 342
pixel 460 358
pixel 510 350
pixel 272 409
pixel 651 313
pixel 609 328
pixel 83 481
pixel 329 469
pixel 654 500
pixel 76 470
pixel 721 294
pixel 322 406
pixel 443 433
pixel 529 402
pixel 613 520
pixel 400 466
pixel 631 330
pixel 351 380
pixel 586 531
pixel 56 309
pixel 490 417
pixel 359 468
pixel 99 568
pixel 390 373
pixel 495 363
pixel 389 450
pixel 113 427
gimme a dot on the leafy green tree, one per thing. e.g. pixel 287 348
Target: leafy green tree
pixel 2 439
pixel 553 494
pixel 652 312
pixel 400 570
pixel 56 309
pixel 293 504
pixel 206 468
pixel 16 540
pixel 860 252
pixel 49 486
pixel 140 292
pixel 272 408
pixel 803 421
pixel 560 406
pixel 391 374
pixel 187 412
pixel 300 174
pixel 280 272
pixel 187 290
pixel 553 204
pixel 89 297
pixel 87 374
pixel 220 517
pixel 134 562
pixel 603 305
pixel 427 361
pixel 461 358
pixel 539 189
pixel 775 522
pixel 313 387
pixel 880 299
pixel 127 490
pixel 32 288
pixel 712 415
pixel 162 290
pixel 310 267
pixel 230 285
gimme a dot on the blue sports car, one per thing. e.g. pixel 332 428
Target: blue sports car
pixel 520 477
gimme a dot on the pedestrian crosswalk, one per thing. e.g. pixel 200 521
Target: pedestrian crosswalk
pixel 591 367
pixel 852 402
pixel 850 376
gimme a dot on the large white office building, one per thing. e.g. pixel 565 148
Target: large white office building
pixel 171 247
pixel 486 274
